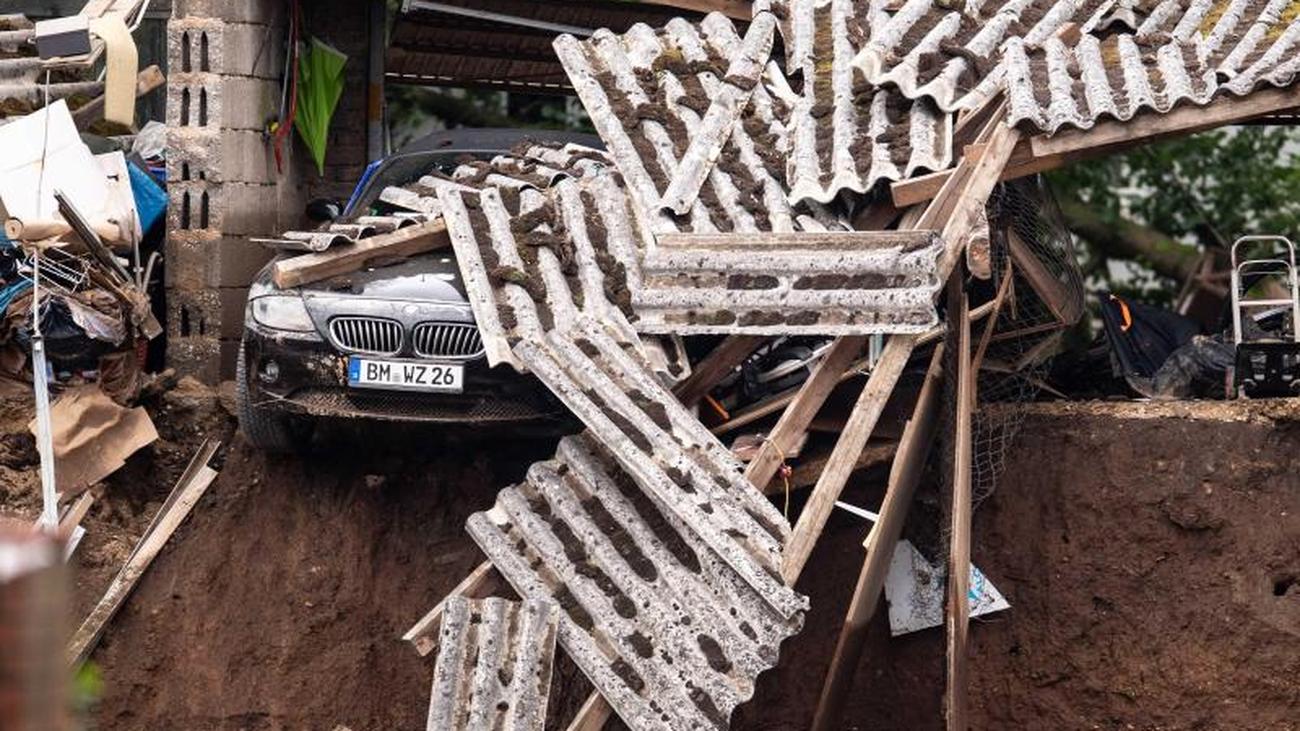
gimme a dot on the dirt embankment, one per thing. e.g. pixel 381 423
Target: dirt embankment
pixel 1150 555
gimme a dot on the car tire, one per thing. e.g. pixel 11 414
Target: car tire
pixel 266 429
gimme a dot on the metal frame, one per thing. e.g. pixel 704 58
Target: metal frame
pixel 1268 267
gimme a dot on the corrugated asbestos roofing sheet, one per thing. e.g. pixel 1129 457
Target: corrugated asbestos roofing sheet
pixel 660 100
pixel 1113 77
pixel 1181 51
pixel 846 133
pixel 666 629
pixel 549 248
pixel 830 283
pixel 494 665
pixel 345 233
pixel 937 50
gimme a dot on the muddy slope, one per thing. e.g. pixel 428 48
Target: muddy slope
pixel 1149 554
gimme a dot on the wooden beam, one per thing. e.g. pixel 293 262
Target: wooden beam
pixel 92 111
pixel 1064 307
pixel 481 582
pixel 593 714
pixel 773 404
pixel 1003 288
pixel 307 268
pixel 803 407
pixel 1042 153
pixel 862 421
pixel 958 614
pixel 187 492
pixel 734 9
pixel 904 476
pixel 725 356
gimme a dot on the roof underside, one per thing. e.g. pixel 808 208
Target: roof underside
pixel 500 44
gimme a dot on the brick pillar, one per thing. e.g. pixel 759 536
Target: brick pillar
pixel 225 62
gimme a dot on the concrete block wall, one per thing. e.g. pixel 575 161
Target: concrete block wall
pixel 226 60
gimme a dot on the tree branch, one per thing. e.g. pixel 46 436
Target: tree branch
pixel 1124 239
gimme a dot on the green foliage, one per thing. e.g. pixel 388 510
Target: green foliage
pixel 87 688
pixel 1203 190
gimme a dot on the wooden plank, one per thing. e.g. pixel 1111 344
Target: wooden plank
pixel 904 476
pixel 866 412
pixel 146 81
pixel 308 268
pixel 593 714
pixel 724 358
pixel 1003 288
pixel 483 581
pixel 958 614
pixel 1064 307
pixel 803 407
pixel 1181 120
pixel 734 9
pixel 184 496
pixel 74 515
pixel 775 403
pixel 957 209
pixel 1041 153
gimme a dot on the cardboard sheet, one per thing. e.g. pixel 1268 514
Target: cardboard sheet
pixel 69 167
pixel 93 436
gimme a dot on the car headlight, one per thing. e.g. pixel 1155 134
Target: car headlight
pixel 281 312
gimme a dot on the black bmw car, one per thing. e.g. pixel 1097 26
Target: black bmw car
pixel 395 341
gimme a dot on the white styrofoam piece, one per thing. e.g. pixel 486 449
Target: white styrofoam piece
pixel 914 589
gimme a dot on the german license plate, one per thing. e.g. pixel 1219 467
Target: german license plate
pixel 405 375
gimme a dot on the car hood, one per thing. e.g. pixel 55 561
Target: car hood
pixel 431 277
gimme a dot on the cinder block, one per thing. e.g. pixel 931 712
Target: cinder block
pixel 219 156
pixel 202 260
pixel 233 209
pixel 210 45
pixel 235 11
pixel 209 359
pixel 212 101
pixel 210 312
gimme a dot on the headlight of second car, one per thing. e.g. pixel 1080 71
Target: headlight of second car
pixel 281 312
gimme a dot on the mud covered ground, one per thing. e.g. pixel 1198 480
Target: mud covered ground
pixel 1150 553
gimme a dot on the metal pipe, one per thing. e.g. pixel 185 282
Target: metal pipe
pixel 506 18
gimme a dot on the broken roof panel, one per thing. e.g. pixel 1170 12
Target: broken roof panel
pixel 650 94
pixel 931 49
pixel 1114 78
pixel 845 133
pixel 535 258
pixel 1184 51
pixel 838 283
pixel 494 665
pixel 663 627
pixel 1247 42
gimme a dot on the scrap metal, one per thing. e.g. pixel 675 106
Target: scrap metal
pixel 494 665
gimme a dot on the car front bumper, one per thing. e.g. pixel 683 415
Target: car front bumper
pixel 309 376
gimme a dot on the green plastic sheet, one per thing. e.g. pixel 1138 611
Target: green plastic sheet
pixel 320 84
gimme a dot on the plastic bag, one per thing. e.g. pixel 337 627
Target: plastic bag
pixel 151 142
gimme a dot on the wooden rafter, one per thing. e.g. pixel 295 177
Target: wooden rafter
pixel 1042 153
pixel 904 476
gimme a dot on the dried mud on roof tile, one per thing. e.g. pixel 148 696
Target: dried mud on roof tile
pixel 649 93
pixel 494 665
pixel 1111 78
pixel 1183 51
pixel 846 133
pixel 667 632
pixel 534 259
pixel 951 55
